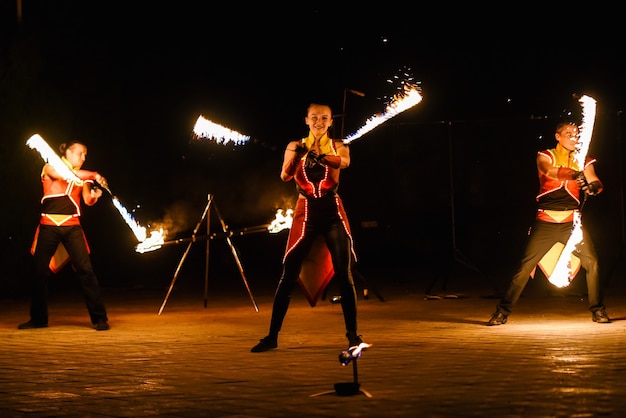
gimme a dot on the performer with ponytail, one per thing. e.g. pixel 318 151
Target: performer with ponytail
pixel 60 238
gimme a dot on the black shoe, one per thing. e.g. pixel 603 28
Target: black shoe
pixel 498 318
pixel 353 339
pixel 102 325
pixel 31 325
pixel 600 316
pixel 265 344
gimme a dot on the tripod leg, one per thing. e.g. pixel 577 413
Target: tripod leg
pixel 236 257
pixel 180 264
pixel 182 260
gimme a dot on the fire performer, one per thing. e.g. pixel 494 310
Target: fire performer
pixel 563 187
pixel 60 237
pixel 320 243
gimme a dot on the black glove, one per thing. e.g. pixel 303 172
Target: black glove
pixel 311 159
pixel 593 188
pixel 581 180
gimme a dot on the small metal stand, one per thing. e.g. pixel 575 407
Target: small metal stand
pixel 207 238
pixel 347 388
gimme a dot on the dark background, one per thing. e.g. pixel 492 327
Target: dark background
pixel 456 172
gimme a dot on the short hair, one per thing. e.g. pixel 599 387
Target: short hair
pixel 563 124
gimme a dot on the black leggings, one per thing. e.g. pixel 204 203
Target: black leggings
pixel 338 243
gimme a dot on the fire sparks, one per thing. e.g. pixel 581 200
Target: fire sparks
pixel 49 156
pixel 410 97
pixel 562 273
pixel 283 220
pixel 206 129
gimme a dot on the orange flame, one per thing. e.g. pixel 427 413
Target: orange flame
pixel 283 220
pixel 153 242
pixel 402 102
pixel 206 129
pixel 562 274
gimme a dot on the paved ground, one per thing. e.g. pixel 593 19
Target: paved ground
pixel 431 358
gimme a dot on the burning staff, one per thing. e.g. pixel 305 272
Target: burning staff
pixel 282 221
pixel 207 129
pixel 563 272
pixel 410 97
pixel 49 156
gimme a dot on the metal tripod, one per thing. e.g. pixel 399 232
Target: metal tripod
pixel 194 238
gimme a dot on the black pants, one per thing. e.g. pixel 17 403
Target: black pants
pixel 543 236
pixel 74 241
pixel 338 244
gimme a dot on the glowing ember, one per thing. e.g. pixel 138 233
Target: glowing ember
pixel 206 129
pixel 401 102
pixel 283 220
pixel 562 274
pixel 49 156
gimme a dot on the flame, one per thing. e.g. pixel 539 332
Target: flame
pixel 585 129
pixel 283 220
pixel 153 242
pixel 206 129
pixel 410 97
pixel 49 156
pixel 138 230
pixel 562 274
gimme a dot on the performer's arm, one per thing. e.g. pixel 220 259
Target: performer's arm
pixel 293 154
pixel 545 167
pixel 91 194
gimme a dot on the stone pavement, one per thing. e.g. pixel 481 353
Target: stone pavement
pixel 430 358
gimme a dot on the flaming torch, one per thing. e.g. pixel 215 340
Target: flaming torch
pixel 562 274
pixel 283 220
pixel 49 156
pixel 410 97
pixel 206 129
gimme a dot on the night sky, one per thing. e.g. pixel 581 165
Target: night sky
pixel 131 79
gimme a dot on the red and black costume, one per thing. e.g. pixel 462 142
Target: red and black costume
pixel 60 238
pixel 319 246
pixel 557 202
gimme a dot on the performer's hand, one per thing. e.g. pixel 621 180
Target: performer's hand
pixel 311 159
pixel 102 181
pixel 96 192
pixel 582 180
pixel 300 151
pixel 593 188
